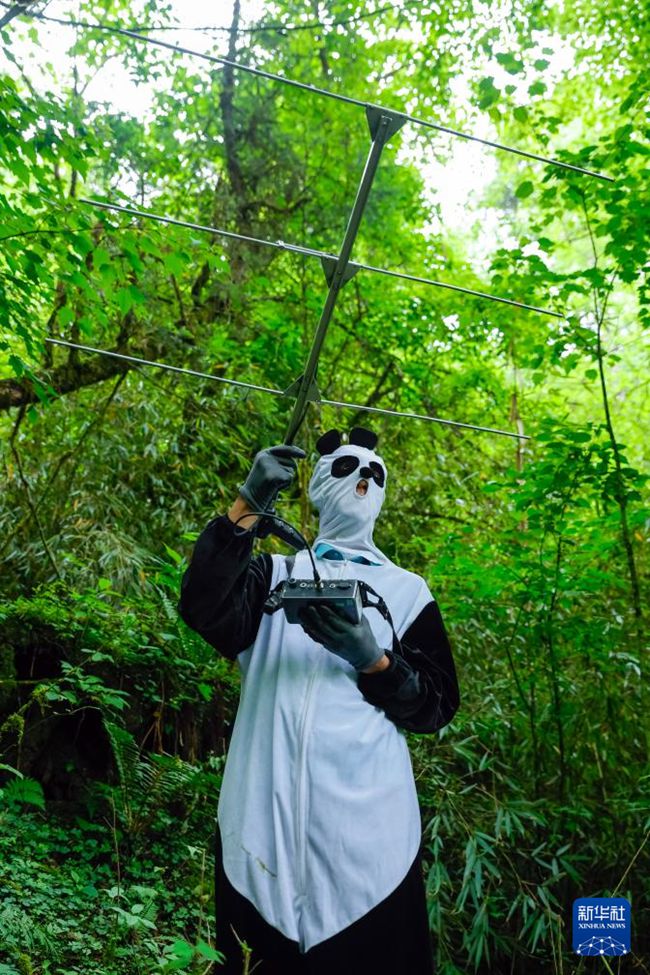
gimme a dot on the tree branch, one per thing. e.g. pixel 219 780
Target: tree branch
pixel 14 11
pixel 69 378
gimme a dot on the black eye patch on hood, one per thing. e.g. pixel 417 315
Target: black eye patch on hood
pixel 376 471
pixel 344 465
pixel 348 463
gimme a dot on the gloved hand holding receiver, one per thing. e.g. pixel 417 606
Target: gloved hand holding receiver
pixel 354 642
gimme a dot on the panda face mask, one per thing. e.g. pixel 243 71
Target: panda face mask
pixel 348 488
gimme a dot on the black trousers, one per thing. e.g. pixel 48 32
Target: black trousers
pixel 391 939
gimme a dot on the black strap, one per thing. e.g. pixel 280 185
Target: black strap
pixel 382 609
pixel 380 605
pixel 274 598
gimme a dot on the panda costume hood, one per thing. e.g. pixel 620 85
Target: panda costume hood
pixel 347 488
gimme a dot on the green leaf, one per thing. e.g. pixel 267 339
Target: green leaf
pixel 175 556
pixel 65 316
pixel 138 296
pixel 85 325
pixel 524 189
pixel 100 257
pixel 180 955
pixel 512 64
pixel 537 88
pixel 520 113
pixel 124 300
pixel 107 274
pixel 207 951
pixel 175 262
pixel 488 93
pixel 16 165
pixel 17 364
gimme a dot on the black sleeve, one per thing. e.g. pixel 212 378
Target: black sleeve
pixel 419 690
pixel 223 589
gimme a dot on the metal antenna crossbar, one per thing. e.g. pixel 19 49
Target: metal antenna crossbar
pixel 270 76
pixel 312 252
pixel 164 365
pixel 280 392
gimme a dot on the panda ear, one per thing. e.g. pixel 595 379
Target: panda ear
pixel 328 443
pixel 361 437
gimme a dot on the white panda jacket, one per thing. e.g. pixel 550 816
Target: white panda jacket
pixel 318 812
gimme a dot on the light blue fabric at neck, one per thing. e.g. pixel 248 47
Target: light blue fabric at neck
pixel 325 551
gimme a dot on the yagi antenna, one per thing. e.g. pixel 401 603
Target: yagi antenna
pixel 339 269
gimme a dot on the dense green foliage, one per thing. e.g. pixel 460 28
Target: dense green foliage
pixel 113 715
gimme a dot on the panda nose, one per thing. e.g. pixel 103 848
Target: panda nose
pixel 374 472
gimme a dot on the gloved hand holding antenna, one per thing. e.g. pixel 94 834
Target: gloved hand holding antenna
pixel 273 470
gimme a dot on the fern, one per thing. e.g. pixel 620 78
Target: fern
pixel 147 783
pixel 21 934
pixel 24 790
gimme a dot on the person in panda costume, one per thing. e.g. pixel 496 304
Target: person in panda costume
pixel 318 842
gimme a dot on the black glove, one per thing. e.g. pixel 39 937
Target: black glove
pixel 355 642
pixel 273 469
